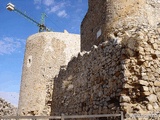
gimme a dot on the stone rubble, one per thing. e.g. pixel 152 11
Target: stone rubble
pixel 6 109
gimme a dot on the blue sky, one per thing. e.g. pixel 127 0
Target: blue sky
pixel 15 29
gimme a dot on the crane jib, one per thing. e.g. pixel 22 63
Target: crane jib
pixel 41 26
pixel 27 17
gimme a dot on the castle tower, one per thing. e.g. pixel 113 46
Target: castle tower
pixel 45 53
pixel 105 16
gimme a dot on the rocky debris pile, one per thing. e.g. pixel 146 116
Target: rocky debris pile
pixel 6 109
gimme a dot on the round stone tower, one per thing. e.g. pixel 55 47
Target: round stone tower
pixel 104 16
pixel 45 53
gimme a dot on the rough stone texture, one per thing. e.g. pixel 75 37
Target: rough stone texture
pixel 91 83
pixel 107 15
pixel 45 53
pixel 6 109
pixel 142 69
pixel 121 74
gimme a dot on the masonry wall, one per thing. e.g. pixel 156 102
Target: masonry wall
pixel 142 75
pixel 104 16
pixel 121 74
pixel 45 53
pixel 91 83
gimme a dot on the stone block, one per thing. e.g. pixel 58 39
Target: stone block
pixel 149 107
pixel 145 88
pixel 142 82
pixel 152 98
pixel 157 83
pixel 125 99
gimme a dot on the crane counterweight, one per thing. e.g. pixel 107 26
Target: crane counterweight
pixel 10 7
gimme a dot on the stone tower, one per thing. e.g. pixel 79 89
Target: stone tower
pixel 45 53
pixel 104 16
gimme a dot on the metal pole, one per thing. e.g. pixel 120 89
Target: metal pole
pixel 62 116
pixel 122 117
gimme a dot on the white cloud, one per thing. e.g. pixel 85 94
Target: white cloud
pixel 56 7
pixel 53 7
pixel 62 13
pixel 9 45
pixel 48 2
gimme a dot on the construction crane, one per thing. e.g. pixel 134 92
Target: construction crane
pixel 41 25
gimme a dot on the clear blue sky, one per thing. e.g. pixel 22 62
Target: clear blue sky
pixel 15 29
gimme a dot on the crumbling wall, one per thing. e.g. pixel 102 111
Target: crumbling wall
pixel 92 82
pixel 121 74
pixel 6 109
pixel 141 92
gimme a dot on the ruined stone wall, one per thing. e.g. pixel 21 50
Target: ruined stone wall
pixel 91 83
pixel 121 74
pixel 6 109
pixel 45 53
pixel 141 92
pixel 104 16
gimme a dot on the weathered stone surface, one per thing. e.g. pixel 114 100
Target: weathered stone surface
pixel 145 88
pixel 46 53
pixel 6 109
pixel 157 83
pixel 142 82
pixel 95 82
pixel 155 106
pixel 108 15
pixel 109 72
pixel 125 99
pixel 149 107
pixel 121 70
pixel 152 98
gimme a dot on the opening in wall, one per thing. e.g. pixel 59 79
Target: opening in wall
pixel 99 33
pixel 29 61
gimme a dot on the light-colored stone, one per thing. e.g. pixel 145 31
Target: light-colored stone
pixel 155 106
pixel 125 99
pixel 45 53
pixel 6 109
pixel 146 93
pixel 157 83
pixel 149 107
pixel 152 98
pixel 155 46
pixel 142 82
pixel 145 88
